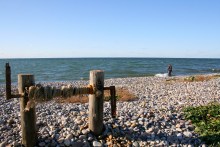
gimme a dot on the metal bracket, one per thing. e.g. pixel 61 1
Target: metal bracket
pixel 113 100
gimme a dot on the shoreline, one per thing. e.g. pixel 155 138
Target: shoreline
pixel 106 79
pixel 156 118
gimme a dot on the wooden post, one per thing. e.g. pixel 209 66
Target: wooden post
pixel 96 102
pixel 113 101
pixel 8 81
pixel 28 118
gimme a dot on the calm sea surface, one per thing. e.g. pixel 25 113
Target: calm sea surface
pixel 69 69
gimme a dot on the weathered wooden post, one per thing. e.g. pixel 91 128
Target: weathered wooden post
pixel 113 101
pixel 28 118
pixel 8 80
pixel 96 102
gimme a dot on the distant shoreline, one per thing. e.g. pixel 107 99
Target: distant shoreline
pixel 87 80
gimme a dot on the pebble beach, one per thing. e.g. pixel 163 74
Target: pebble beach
pixel 154 119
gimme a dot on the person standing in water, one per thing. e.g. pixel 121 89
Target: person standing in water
pixel 169 69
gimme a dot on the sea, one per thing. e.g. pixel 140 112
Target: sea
pixel 73 69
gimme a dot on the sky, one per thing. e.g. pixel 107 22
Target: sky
pixel 109 28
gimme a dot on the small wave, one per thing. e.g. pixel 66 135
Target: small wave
pixel 162 75
pixel 216 70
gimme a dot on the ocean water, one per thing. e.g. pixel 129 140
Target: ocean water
pixel 70 69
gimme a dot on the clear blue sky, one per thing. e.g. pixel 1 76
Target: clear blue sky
pixel 109 28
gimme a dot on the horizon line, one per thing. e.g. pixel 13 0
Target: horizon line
pixel 109 57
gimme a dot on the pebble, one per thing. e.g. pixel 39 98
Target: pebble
pixel 81 137
pixel 155 119
pixel 69 136
pixel 188 134
pixel 67 142
pixel 96 144
pixel 135 144
pixel 53 143
pixel 42 144
pixel 85 132
pixel 3 144
pixel 90 138
pixel 180 136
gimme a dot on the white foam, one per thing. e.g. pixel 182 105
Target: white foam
pixel 162 75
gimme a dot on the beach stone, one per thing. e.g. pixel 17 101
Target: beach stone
pixel 47 141
pixel 63 122
pixel 44 130
pixel 141 119
pixel 179 136
pixel 178 125
pixel 15 143
pixel 79 122
pixel 135 144
pixel 108 143
pixel 3 144
pixel 134 118
pixel 42 144
pixel 150 130
pixel 110 137
pixel 51 127
pixel 128 123
pixel 141 122
pixel 85 131
pixel 74 113
pixel 136 129
pixel 11 121
pixel 69 136
pixel 82 113
pixel 60 140
pixel 4 128
pixel 43 114
pixel 96 144
pixel 178 130
pixel 67 142
pixel 77 144
pixel 57 136
pixel 189 122
pixel 188 134
pixel 152 136
pixel 1 121
pixel 90 138
pixel 190 127
pixel 63 118
pixel 134 124
pixel 81 137
pixel 53 143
